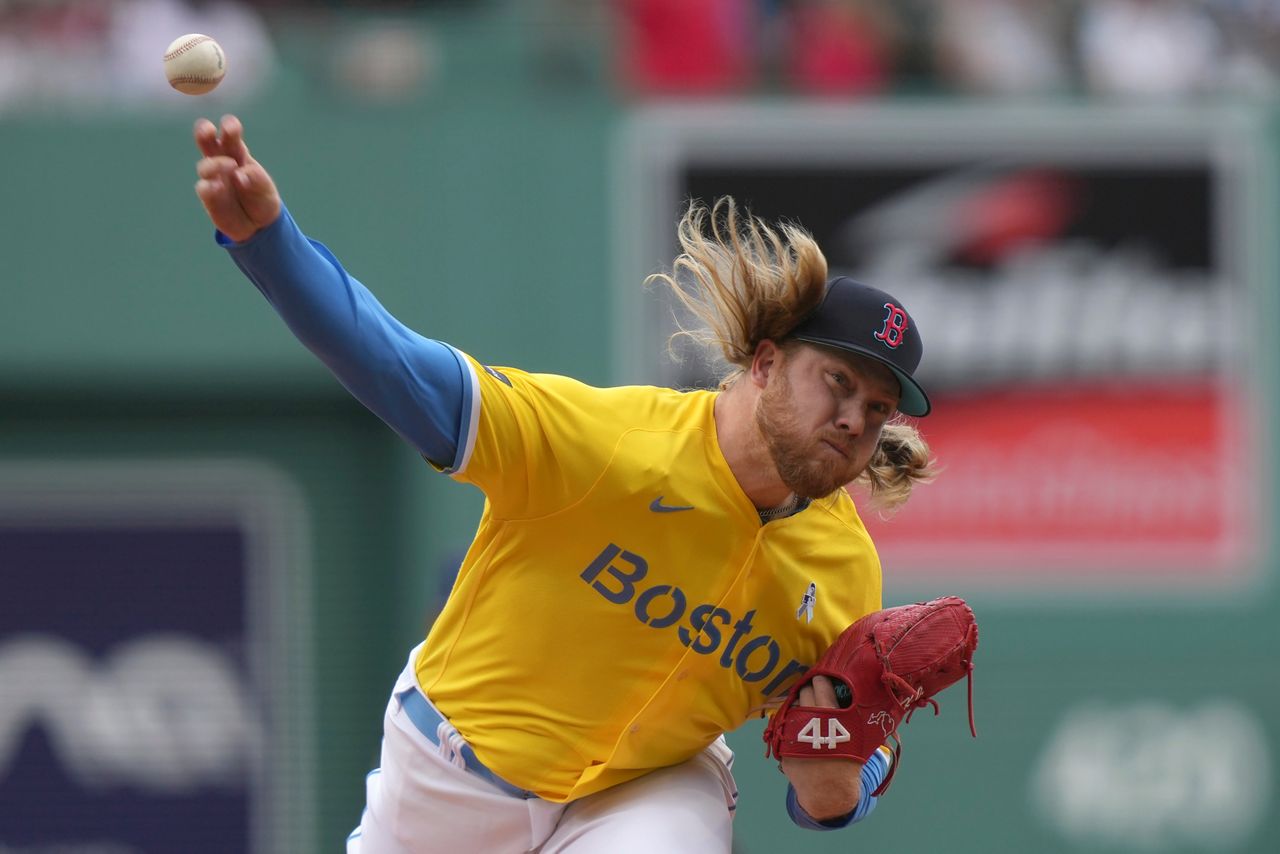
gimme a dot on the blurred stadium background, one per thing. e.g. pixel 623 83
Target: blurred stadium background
pixel 214 562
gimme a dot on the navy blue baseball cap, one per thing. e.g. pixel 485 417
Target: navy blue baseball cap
pixel 865 320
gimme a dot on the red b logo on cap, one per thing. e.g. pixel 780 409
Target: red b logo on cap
pixel 895 326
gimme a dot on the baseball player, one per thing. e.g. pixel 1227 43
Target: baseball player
pixel 651 568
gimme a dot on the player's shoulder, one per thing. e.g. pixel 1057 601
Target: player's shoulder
pixel 639 404
pixel 842 510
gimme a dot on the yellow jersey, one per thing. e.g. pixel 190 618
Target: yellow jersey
pixel 622 605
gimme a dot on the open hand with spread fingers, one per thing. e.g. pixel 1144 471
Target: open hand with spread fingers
pixel 237 192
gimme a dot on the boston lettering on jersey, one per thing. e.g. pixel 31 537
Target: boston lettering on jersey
pixel 615 575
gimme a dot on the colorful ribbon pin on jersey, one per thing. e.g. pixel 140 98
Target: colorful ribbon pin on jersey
pixel 806 604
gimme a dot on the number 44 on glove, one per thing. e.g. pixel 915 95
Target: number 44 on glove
pixel 893 662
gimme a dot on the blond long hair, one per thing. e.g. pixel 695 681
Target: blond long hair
pixel 749 281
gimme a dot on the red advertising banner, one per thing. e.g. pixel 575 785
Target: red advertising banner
pixel 1054 483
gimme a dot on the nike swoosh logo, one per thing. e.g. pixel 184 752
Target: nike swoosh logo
pixel 658 507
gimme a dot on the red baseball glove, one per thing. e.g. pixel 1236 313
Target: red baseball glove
pixel 892 662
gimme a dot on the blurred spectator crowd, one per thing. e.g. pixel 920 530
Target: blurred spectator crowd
pixel 105 53
pixel 1145 48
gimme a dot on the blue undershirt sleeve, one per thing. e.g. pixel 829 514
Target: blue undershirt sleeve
pixel 415 384
pixel 873 774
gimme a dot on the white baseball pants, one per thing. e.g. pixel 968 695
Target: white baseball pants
pixel 424 799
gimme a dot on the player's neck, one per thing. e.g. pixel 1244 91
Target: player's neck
pixel 745 451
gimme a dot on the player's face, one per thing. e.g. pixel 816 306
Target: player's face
pixel 821 415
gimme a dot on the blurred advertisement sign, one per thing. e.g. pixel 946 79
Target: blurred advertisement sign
pixel 1087 284
pixel 148 659
pixel 1136 777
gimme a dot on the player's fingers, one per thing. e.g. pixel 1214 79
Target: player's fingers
pixel 211 192
pixel 254 178
pixel 805 697
pixel 258 195
pixel 214 167
pixel 233 139
pixel 221 203
pixel 206 135
pixel 215 194
pixel 824 692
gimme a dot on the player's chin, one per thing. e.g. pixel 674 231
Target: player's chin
pixel 840 466
pixel 821 479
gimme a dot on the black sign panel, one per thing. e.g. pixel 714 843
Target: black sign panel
pixel 144 654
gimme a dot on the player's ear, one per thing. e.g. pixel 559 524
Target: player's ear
pixel 767 359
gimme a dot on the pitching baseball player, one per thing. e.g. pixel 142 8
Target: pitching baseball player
pixel 652 567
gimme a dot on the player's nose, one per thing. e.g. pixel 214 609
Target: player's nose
pixel 851 418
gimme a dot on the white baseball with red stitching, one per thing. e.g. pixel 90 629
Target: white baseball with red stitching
pixel 195 64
